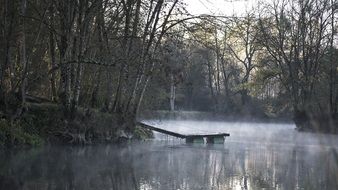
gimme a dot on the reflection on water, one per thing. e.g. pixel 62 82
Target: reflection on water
pixel 302 161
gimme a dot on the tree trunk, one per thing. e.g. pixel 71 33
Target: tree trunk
pixel 52 56
pixel 131 97
pixel 93 99
pixel 66 9
pixel 333 69
pixel 109 103
pixel 5 76
pixel 172 92
pixel 23 57
pixel 81 33
pixel 124 65
pixel 211 86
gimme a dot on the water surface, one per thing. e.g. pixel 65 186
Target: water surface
pixel 255 156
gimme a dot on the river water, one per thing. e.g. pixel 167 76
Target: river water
pixel 255 156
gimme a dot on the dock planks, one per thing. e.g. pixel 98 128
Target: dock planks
pixel 210 138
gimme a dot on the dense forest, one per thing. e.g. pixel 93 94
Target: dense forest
pixel 78 58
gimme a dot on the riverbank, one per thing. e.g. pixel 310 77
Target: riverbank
pixel 316 123
pixel 46 124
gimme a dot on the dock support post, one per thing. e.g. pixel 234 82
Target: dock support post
pixel 194 140
pixel 215 140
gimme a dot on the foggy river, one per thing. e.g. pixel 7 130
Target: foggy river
pixel 255 156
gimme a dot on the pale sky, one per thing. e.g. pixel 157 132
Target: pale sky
pixel 219 7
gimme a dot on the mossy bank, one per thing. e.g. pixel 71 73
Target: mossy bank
pixel 45 124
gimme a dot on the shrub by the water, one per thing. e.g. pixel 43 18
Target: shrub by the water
pixel 13 134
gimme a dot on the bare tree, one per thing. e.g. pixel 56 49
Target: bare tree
pixel 243 47
pixel 296 36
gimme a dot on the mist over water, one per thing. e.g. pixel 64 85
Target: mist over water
pixel 255 156
pixel 247 132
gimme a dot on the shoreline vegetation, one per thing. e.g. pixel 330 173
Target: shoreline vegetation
pixel 44 123
pixel 322 123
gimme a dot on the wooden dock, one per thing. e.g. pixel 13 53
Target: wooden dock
pixel 198 138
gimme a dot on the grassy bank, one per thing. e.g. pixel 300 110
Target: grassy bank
pixel 46 124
